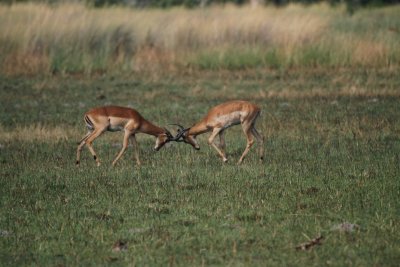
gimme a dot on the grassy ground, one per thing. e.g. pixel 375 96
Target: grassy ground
pixel 332 156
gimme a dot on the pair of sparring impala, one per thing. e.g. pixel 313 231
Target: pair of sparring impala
pixel 217 120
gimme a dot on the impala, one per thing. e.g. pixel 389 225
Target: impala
pixel 221 117
pixel 114 118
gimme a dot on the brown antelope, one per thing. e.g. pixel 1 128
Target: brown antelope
pixel 113 118
pixel 221 117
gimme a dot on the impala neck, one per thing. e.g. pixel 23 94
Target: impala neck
pixel 198 128
pixel 149 128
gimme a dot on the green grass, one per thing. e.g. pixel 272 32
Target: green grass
pixel 332 156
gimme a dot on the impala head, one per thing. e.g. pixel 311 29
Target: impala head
pixel 164 138
pixel 188 139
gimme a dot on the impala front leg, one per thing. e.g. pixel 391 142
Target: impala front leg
pixel 136 149
pixel 124 146
pixel 215 132
pixel 89 141
pixel 250 142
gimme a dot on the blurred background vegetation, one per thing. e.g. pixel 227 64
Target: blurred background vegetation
pixel 351 4
pixel 76 37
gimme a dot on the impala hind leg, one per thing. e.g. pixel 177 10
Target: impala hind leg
pixel 89 141
pixel 214 133
pixel 222 144
pixel 260 140
pixel 81 144
pixel 250 141
pixel 124 146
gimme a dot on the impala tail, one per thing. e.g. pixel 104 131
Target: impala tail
pixel 89 125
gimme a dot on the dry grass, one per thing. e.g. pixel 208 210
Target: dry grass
pixel 37 133
pixel 367 52
pixel 350 91
pixel 37 38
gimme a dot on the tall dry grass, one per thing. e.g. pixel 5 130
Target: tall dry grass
pixel 37 132
pixel 38 38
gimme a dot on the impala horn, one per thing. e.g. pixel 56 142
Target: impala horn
pixel 169 135
pixel 181 131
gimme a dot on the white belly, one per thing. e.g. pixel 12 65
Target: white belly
pixel 115 128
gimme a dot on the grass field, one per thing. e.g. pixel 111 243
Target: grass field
pixel 332 156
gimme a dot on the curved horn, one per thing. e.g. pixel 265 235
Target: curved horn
pixel 181 132
pixel 170 136
pixel 180 126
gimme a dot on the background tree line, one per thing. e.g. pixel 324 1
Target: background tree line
pixel 351 4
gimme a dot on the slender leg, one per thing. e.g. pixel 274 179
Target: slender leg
pixel 89 141
pixel 222 144
pixel 250 141
pixel 260 139
pixel 80 147
pixel 211 142
pixel 136 149
pixel 124 146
